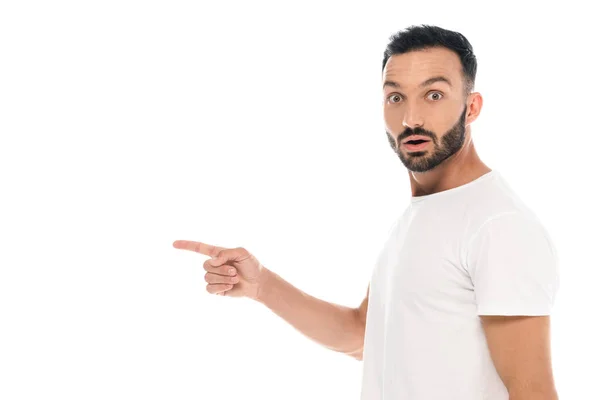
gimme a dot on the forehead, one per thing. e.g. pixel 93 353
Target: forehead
pixel 414 67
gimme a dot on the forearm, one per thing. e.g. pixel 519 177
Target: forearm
pixel 336 327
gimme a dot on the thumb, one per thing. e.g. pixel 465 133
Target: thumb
pixel 225 255
pixel 216 261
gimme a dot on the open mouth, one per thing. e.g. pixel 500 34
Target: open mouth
pixel 416 141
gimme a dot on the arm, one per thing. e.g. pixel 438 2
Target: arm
pixel 336 327
pixel 236 272
pixel 514 268
pixel 520 350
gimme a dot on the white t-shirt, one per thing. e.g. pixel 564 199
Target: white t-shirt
pixel 451 256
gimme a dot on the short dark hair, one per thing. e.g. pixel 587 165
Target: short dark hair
pixel 422 37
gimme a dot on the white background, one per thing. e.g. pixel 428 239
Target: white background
pixel 126 125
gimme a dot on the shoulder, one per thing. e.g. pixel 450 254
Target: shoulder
pixel 513 239
pixel 496 204
pixel 497 217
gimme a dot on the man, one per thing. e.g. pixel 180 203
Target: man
pixel 459 301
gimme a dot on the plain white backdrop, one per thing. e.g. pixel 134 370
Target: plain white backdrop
pixel 126 125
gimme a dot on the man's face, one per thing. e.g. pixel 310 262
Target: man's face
pixel 418 101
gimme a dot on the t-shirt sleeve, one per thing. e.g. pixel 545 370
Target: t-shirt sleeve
pixel 513 265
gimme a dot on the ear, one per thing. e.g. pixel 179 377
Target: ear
pixel 474 104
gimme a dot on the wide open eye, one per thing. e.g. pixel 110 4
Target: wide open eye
pixel 435 96
pixel 394 98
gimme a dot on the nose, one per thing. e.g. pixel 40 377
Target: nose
pixel 412 117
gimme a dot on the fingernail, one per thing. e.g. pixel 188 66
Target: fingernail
pixel 231 271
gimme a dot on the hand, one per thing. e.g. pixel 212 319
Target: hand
pixel 230 272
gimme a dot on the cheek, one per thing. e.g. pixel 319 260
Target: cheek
pixel 442 118
pixel 393 119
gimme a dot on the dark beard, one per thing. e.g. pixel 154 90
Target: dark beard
pixel 416 161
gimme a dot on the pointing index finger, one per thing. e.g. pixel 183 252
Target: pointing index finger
pixel 198 247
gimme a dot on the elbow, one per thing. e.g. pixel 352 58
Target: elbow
pixel 356 354
pixel 359 338
pixel 359 356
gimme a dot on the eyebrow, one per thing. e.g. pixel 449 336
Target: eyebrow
pixel 426 83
